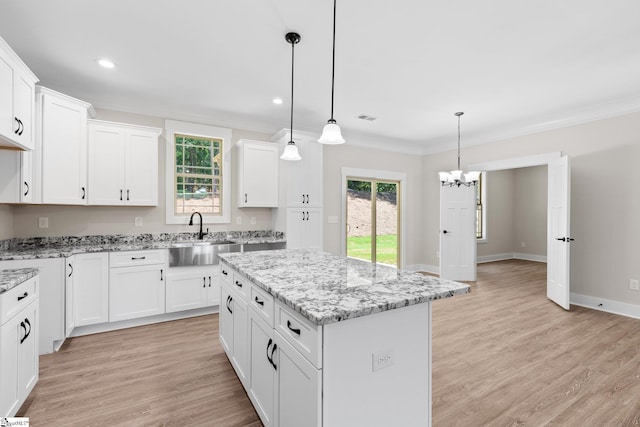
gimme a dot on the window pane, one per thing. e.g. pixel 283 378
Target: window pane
pixel 359 207
pixel 195 169
pixel 386 223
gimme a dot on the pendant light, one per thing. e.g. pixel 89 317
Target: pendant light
pixel 331 133
pixel 291 151
pixel 455 177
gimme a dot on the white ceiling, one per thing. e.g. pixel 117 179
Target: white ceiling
pixel 513 66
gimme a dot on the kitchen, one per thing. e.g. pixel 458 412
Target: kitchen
pixel 23 221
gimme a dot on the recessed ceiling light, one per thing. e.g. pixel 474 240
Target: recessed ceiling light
pixel 277 101
pixel 106 63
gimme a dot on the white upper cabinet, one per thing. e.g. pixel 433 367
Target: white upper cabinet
pixel 123 164
pixel 304 177
pixel 17 112
pixel 257 174
pixel 61 148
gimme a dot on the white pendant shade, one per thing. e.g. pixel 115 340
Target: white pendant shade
pixel 331 134
pixel 291 152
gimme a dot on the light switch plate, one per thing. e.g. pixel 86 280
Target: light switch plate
pixel 138 221
pixel 332 219
pixel 238 220
pixel 382 359
pixel 43 222
pixel 253 220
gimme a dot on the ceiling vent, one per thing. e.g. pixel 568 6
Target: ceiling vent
pixel 365 117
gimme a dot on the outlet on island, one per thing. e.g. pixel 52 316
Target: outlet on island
pixel 382 359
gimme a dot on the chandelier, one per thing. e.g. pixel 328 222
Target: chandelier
pixel 456 178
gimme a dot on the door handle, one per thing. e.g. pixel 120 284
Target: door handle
pixel 121 194
pixel 275 347
pixel 71 267
pixel 21 127
pixel 204 282
pixel 245 197
pixel 25 332
pixel 84 193
pixel 27 323
pixel 238 284
pixel 562 239
pixel 26 185
pixel 229 300
pixel 161 277
pixel 269 345
pixel 23 296
pixel 127 194
pixel 258 301
pixel 446 232
pixel 209 281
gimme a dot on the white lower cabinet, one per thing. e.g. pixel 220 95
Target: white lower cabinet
pixel 137 286
pixel 19 329
pixel 298 388
pixel 69 317
pixel 234 332
pixel 189 288
pixel 262 367
pixel 283 385
pixel 91 288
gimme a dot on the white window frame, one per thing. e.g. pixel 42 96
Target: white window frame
pixel 174 127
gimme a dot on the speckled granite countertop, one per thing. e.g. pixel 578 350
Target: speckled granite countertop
pixel 326 288
pixel 9 279
pixel 59 247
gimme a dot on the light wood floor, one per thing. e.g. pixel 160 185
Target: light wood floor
pixel 502 356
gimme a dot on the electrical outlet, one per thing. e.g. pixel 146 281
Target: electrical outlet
pixel 138 221
pixel 634 284
pixel 253 220
pixel 523 244
pixel 382 359
pixel 43 222
pixel 238 220
pixel 438 254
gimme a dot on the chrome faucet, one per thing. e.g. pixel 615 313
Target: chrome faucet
pixel 200 233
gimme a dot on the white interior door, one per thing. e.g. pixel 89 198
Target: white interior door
pixel 458 233
pixel 558 232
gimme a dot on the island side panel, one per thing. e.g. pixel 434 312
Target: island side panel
pixel 399 394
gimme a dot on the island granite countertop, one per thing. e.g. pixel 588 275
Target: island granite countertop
pixel 325 288
pixel 9 279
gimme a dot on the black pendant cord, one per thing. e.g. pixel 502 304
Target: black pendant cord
pixel 333 60
pixel 292 63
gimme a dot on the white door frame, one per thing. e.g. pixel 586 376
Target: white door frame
pixel 381 175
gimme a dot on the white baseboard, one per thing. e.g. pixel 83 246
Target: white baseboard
pixel 511 255
pixel 433 269
pixel 494 257
pixel 530 257
pixel 614 307
pixel 114 326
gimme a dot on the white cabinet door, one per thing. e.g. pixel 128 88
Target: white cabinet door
pixel 257 174
pixel 91 288
pixel 28 351
pixel 106 165
pixel 298 393
pixel 186 291
pixel 136 292
pixel 69 323
pixel 226 320
pixel 10 335
pixel 64 149
pixel 213 288
pixel 262 368
pixel 304 178
pixel 141 168
pixel 304 228
pixel 7 121
pixel 27 187
pixel 23 108
pixel 123 164
pixel 240 356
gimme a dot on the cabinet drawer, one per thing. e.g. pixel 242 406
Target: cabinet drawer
pixel 131 258
pixel 241 285
pixel 303 335
pixel 226 274
pixel 262 303
pixel 14 300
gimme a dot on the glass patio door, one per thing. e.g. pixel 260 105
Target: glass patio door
pixel 373 220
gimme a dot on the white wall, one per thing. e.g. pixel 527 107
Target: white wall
pixel 89 220
pixel 6 222
pixel 605 205
pixel 353 156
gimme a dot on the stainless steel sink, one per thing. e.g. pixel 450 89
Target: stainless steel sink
pixel 199 253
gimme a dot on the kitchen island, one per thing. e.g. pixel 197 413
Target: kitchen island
pixel 322 340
